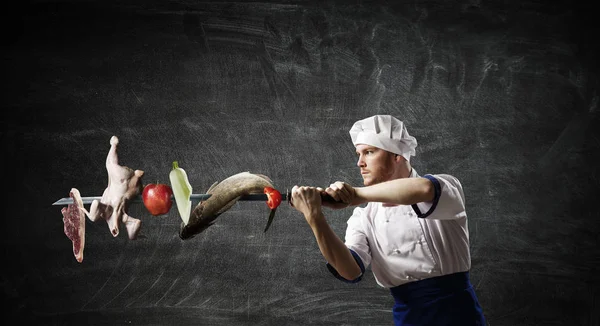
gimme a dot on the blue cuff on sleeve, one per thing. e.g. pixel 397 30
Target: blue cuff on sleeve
pixel 358 261
pixel 436 198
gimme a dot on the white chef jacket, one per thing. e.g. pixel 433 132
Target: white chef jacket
pixel 406 243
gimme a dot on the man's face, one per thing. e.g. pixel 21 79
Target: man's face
pixel 376 165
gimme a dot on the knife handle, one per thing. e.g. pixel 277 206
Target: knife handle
pixel 324 198
pixel 328 199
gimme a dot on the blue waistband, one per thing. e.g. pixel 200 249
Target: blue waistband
pixel 418 292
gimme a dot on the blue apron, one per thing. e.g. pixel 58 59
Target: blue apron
pixel 447 300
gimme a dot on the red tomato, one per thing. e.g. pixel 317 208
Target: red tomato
pixel 273 197
pixel 157 198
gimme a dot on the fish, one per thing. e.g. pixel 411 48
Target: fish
pixel 224 195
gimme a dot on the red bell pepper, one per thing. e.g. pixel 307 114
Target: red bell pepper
pixel 273 197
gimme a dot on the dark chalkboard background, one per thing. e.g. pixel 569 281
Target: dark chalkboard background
pixel 501 94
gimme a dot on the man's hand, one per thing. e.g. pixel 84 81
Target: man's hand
pixel 307 200
pixel 343 193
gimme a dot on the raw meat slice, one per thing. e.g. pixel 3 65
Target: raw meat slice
pixel 74 221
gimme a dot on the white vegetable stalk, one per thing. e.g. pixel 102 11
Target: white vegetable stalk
pixel 182 190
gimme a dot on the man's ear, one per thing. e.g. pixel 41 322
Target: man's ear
pixel 399 158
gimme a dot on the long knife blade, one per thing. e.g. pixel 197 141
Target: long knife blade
pixel 193 197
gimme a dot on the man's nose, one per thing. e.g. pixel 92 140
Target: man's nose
pixel 360 162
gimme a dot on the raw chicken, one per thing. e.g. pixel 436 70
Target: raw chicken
pixel 123 185
pixel 74 220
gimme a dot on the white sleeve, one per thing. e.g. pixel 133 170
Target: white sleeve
pixel 356 239
pixel 449 200
pixel 357 243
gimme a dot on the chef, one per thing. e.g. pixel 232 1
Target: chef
pixel 413 230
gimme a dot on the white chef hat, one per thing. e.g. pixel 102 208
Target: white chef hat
pixel 385 132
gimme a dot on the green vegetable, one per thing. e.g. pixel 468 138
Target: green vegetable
pixel 182 191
